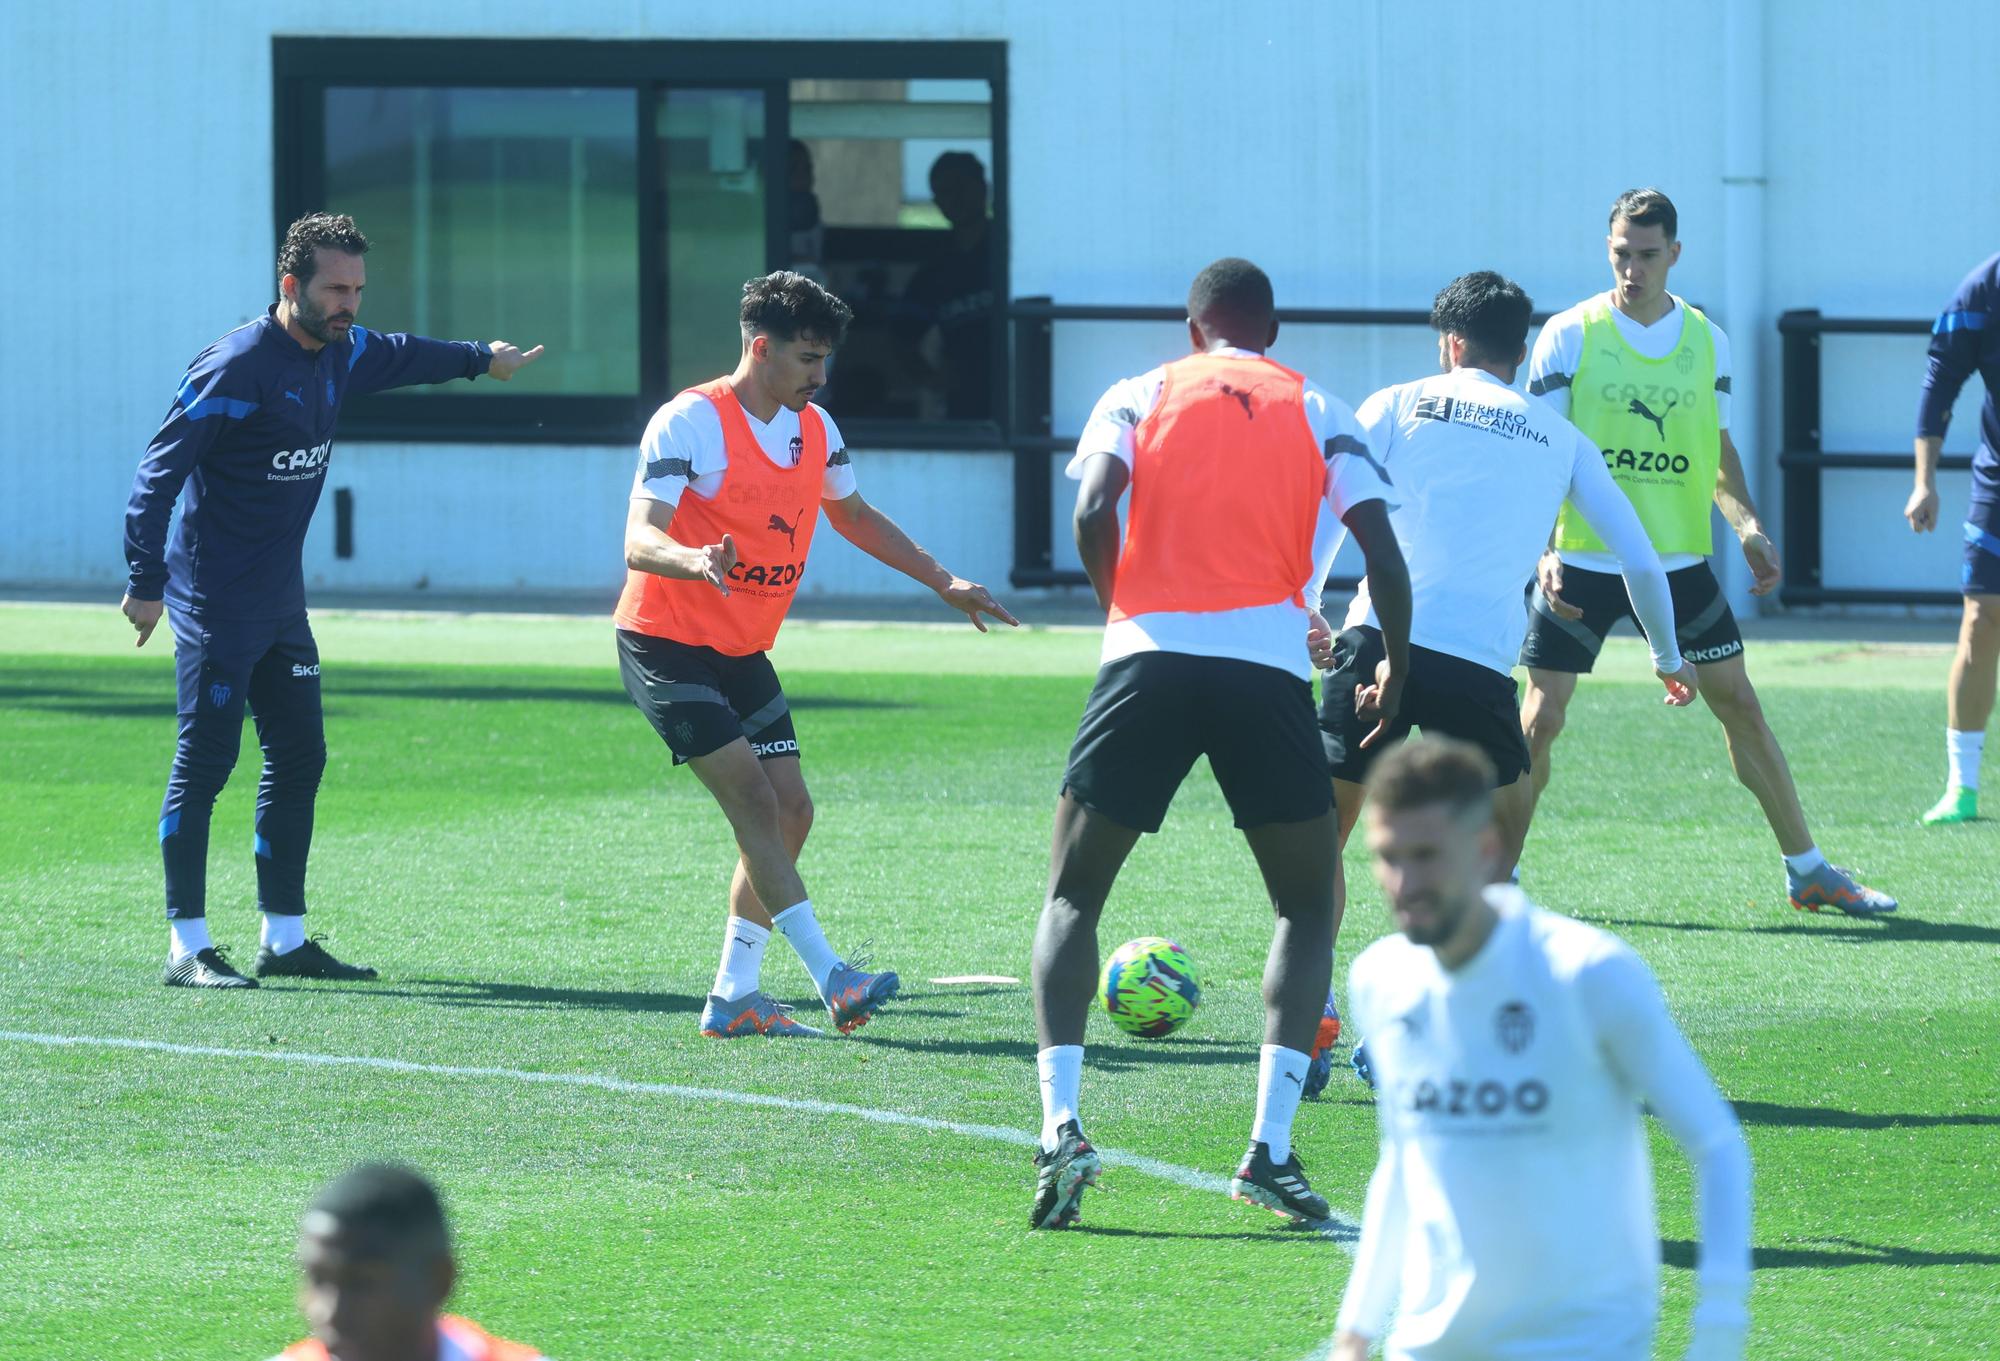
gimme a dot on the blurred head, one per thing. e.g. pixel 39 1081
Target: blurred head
pixel 1431 833
pixel 790 326
pixel 321 274
pixel 377 1265
pixel 1643 245
pixel 1230 303
pixel 1482 322
pixel 958 187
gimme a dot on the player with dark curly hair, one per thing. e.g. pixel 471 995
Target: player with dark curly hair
pixel 245 448
pixel 732 477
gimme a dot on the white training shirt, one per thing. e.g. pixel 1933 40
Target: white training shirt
pixel 1559 352
pixel 683 447
pixel 1272 635
pixel 1480 471
pixel 1511 1211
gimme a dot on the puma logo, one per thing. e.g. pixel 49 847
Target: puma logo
pixel 1639 408
pixel 1240 396
pixel 791 530
pixel 1296 1078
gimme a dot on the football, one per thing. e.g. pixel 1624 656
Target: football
pixel 1149 987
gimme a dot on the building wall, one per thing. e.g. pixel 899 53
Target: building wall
pixel 1363 152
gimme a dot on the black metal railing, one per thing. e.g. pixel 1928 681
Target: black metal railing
pixel 1031 430
pixel 1804 461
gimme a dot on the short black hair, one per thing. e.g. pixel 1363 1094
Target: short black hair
pixel 1489 312
pixel 1647 208
pixel 386 1210
pixel 789 305
pixel 1433 770
pixel 958 163
pixel 304 239
pixel 1233 295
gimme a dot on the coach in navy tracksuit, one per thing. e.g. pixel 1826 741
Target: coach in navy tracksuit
pixel 1966 340
pixel 249 436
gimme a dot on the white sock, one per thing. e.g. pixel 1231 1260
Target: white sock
pixel 282 934
pixel 1806 861
pixel 189 936
pixel 801 931
pixel 1962 750
pixel 741 971
pixel 1060 1068
pixel 1281 1081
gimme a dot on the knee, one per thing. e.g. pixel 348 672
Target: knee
pixel 1543 716
pixel 203 759
pixel 1735 703
pixel 1982 622
pixel 295 765
pixel 795 816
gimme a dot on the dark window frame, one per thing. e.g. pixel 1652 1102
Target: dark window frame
pixel 303 68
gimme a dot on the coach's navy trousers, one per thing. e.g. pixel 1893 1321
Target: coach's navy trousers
pixel 221 664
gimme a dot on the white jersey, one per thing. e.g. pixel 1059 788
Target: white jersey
pixel 1559 352
pixel 1511 1212
pixel 1480 472
pixel 1273 635
pixel 683 447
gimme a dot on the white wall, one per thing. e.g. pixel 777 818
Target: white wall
pixel 1362 152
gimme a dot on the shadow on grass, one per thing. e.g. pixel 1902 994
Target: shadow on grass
pixel 1678 1252
pixel 1106 1058
pixel 1897 928
pixel 129 698
pixel 1821 1117
pixel 462 992
pixel 1290 1234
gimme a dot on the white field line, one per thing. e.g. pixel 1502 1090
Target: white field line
pixel 1337 1227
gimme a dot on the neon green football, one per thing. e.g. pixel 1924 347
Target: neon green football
pixel 1149 987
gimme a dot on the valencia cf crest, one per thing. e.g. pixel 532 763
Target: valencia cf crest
pixel 1515 1026
pixel 798 449
pixel 329 392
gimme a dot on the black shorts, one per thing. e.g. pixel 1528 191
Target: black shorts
pixel 700 700
pixel 1150 715
pixel 1445 696
pixel 1703 620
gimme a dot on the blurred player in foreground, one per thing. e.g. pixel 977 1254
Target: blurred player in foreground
pixel 1511 1212
pixel 377 1265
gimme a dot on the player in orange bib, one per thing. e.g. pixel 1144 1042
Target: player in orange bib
pixel 732 477
pixel 378 1267
pixel 1244 476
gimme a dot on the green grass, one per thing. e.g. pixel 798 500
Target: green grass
pixel 500 833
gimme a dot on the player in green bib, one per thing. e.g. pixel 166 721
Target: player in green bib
pixel 1647 377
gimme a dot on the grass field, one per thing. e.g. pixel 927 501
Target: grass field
pixel 499 832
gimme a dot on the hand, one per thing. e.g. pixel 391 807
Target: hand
pixel 716 560
pixel 975 600
pixel 507 359
pixel 1380 701
pixel 1319 640
pixel 1762 555
pixel 1349 1346
pixel 1922 510
pixel 1549 572
pixel 144 614
pixel 1681 686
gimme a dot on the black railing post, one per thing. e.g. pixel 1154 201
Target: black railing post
pixel 1799 455
pixel 1031 425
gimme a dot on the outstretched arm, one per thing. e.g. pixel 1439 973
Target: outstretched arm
pixel 382 360
pixel 875 534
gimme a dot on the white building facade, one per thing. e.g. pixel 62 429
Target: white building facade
pixel 601 177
